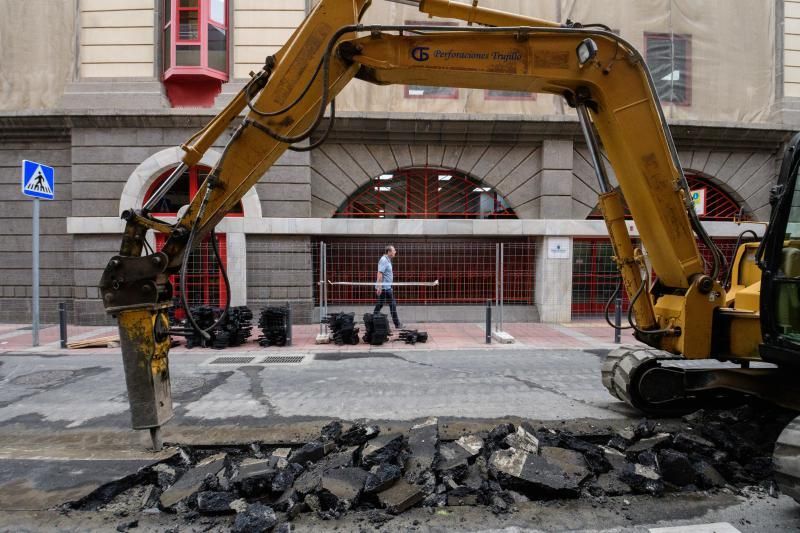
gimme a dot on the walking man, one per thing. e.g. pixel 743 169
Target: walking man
pixel 383 285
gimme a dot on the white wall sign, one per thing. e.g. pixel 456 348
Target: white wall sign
pixel 699 200
pixel 558 248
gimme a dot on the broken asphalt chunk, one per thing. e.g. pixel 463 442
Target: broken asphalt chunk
pixel 290 502
pixel 691 443
pixel 649 443
pixel 382 449
pixel 332 431
pixel 381 477
pixel 165 474
pixel 214 503
pixel 312 451
pixel 192 480
pixel 284 478
pixel 676 468
pixel 453 460
pixel 498 435
pixel 423 441
pixel 523 440
pixel 344 484
pixel 611 485
pixel 257 518
pixel 254 476
pixel 473 444
pixel 555 473
pixel 401 496
pixel 708 476
pixel 614 457
pixel 358 435
pixel 642 478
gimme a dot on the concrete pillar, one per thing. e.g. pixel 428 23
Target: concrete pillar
pixel 556 179
pixel 553 292
pixel 237 267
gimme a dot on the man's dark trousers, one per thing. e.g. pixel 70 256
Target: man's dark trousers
pixel 388 296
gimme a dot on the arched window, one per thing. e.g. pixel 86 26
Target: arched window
pixel 711 202
pixel 183 191
pixel 425 193
pixel 594 273
pixel 203 277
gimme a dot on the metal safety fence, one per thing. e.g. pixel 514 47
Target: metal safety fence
pixel 435 280
pixel 595 277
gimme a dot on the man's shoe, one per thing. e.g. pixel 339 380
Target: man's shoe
pixel 399 326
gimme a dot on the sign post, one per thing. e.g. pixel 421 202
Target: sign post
pixel 38 182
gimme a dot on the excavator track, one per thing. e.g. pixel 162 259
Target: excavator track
pixel 621 374
pixel 786 460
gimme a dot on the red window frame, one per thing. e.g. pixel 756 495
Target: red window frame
pixel 172 11
pixel 195 181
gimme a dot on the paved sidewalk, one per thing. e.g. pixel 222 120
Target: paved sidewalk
pixel 580 335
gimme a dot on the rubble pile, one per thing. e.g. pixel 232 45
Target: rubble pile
pixel 343 330
pixel 413 336
pixel 359 468
pixel 273 323
pixel 234 329
pixel 377 328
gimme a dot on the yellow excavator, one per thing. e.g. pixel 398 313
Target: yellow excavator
pixel 688 313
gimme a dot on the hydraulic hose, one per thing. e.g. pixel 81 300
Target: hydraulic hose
pixel 608 306
pixel 729 273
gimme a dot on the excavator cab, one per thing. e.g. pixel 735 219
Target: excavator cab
pixel 779 259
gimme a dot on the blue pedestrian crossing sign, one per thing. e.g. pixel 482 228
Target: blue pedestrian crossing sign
pixel 38 180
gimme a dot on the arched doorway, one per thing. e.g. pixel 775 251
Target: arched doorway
pixel 205 285
pixel 594 273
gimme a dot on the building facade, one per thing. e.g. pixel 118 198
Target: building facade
pixel 106 90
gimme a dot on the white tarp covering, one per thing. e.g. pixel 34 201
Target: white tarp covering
pixel 713 60
pixel 37 43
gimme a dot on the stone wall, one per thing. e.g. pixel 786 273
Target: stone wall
pixel 16 226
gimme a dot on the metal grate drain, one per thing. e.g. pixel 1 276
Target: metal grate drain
pixel 283 359
pixel 231 360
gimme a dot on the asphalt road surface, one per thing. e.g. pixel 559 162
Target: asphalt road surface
pixel 64 428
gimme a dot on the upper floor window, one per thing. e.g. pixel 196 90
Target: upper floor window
pixel 195 50
pixel 426 91
pixel 494 94
pixel 669 56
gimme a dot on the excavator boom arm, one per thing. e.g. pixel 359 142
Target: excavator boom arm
pixel 609 84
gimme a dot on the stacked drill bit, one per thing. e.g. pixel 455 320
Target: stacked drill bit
pixel 413 336
pixel 205 317
pixel 343 330
pixel 273 323
pixel 377 328
pixel 234 329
